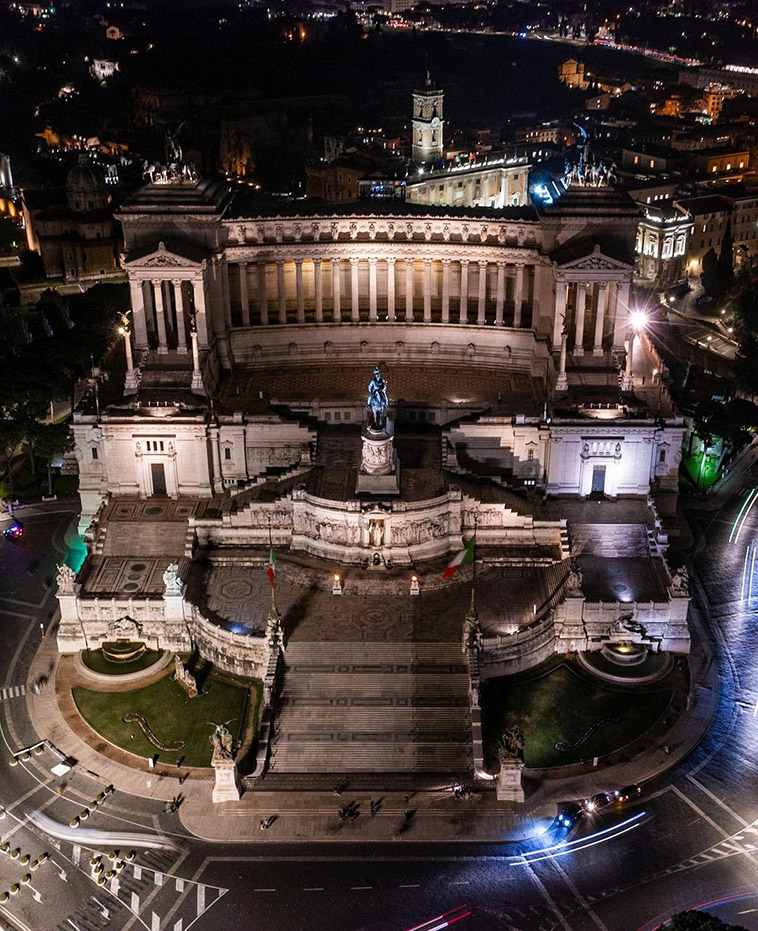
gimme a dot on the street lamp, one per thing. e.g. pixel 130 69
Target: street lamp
pixel 638 320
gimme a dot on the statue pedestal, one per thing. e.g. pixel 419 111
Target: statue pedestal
pixel 509 787
pixel 226 786
pixel 379 473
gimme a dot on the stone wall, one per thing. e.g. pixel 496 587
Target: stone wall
pixel 352 531
pixel 162 623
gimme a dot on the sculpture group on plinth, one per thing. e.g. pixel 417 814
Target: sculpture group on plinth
pixel 511 758
pixel 378 472
pixel 226 785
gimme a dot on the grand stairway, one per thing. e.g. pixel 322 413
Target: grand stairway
pixel 362 707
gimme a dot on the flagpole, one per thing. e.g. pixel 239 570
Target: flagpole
pixel 472 610
pixel 274 611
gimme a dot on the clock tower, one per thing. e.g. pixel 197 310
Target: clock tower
pixel 428 123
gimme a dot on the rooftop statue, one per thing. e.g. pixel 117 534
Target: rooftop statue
pixel 377 402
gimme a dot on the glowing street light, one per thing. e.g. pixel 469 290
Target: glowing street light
pixel 638 320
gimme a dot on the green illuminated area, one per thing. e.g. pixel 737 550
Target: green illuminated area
pixel 704 471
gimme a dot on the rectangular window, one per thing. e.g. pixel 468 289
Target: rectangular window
pixel 662 456
pixel 95 454
pixel 227 453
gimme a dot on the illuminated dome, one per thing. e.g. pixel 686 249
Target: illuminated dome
pixel 85 187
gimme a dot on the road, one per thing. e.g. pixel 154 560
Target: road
pixel 691 840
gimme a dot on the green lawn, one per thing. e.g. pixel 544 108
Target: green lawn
pixel 97 662
pixel 171 714
pixel 558 702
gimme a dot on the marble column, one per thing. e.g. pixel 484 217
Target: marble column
pixel 518 296
pixel 500 296
pixel 160 316
pixel 627 383
pixel 427 290
pixel 372 289
pixel 318 288
pixel 391 290
pixel 137 296
pixel 602 295
pixel 409 289
pixel 299 290
pixel 355 307
pixel 559 318
pixel 336 297
pixel 244 299
pixel 446 290
pixel 197 379
pixel 561 383
pixel 262 293
pixel 281 295
pixel 581 306
pixel 463 313
pixel 622 315
pixel 482 305
pixel 198 293
pixel 181 335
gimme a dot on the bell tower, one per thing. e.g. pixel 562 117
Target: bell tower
pixel 428 123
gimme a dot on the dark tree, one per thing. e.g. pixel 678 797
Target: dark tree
pixel 698 921
pixel 710 274
pixel 726 261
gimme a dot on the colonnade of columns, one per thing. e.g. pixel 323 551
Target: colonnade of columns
pixel 365 288
pixel 596 307
pixel 162 310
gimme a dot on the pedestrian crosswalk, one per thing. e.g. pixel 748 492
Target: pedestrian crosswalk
pixel 13 691
pixel 148 889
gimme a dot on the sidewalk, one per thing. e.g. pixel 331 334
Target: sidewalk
pixel 312 816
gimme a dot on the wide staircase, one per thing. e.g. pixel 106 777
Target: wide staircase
pixel 610 540
pixel 133 538
pixel 373 708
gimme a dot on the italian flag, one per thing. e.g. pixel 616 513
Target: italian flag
pixel 465 555
pixel 271 566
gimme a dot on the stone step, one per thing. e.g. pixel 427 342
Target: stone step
pixel 132 538
pixel 356 651
pixel 317 757
pixel 375 685
pixel 347 726
pixel 417 669
pixel 610 540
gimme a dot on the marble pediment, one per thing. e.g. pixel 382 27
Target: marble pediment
pixel 166 257
pixel 594 262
